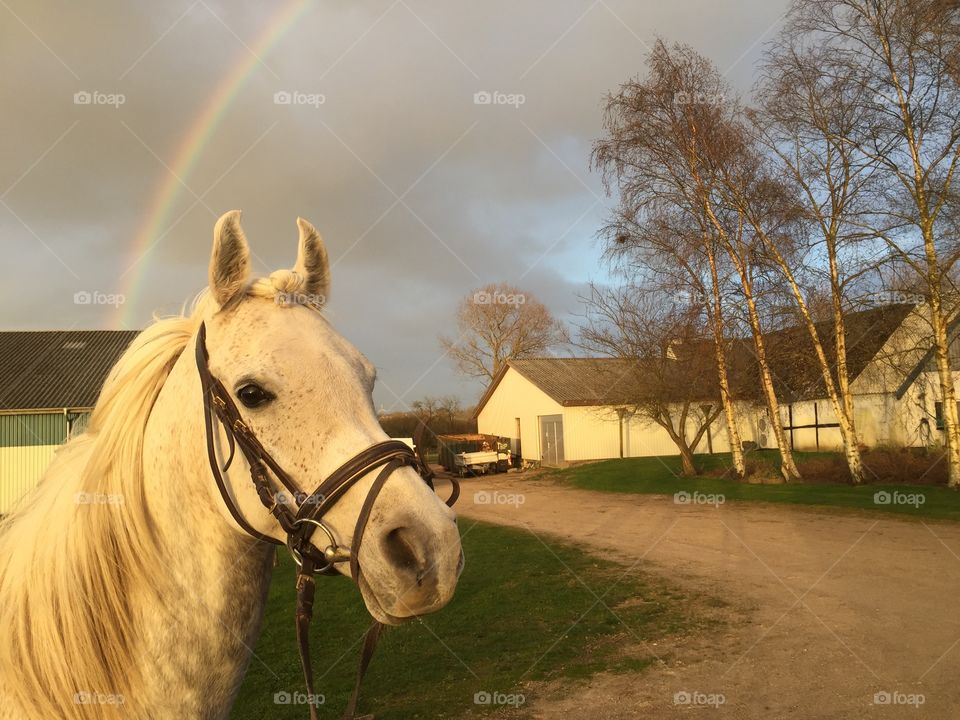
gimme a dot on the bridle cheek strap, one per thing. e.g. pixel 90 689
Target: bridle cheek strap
pixel 390 455
pixel 305 595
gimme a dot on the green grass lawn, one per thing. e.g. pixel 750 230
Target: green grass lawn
pixel 660 476
pixel 522 611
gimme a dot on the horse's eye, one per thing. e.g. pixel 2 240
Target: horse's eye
pixel 253 395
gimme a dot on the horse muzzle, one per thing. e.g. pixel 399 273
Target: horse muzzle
pixel 409 568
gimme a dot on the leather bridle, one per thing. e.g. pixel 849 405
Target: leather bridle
pixel 301 521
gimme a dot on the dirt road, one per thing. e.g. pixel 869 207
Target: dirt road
pixel 829 608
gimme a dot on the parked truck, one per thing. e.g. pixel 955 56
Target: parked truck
pixel 474 454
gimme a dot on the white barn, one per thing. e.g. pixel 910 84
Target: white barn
pixel 562 410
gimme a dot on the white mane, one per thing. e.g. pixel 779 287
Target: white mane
pixel 66 568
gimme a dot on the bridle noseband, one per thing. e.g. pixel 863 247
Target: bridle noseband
pixel 301 523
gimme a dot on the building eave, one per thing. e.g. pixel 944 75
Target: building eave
pixel 488 393
pixel 45 411
pixel 915 373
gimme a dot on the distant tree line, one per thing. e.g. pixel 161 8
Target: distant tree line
pixel 441 416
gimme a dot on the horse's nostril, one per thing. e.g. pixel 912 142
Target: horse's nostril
pixel 399 551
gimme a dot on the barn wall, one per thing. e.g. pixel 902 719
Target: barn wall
pixel 872 416
pixel 593 433
pixel 880 418
pixel 643 438
pixel 747 415
pixel 804 413
pixel 590 433
pixel 516 397
pixel 912 419
pixel 902 351
pixel 27 445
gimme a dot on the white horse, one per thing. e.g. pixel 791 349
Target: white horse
pixel 127 589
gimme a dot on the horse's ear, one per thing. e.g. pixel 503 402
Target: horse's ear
pixel 230 261
pixel 312 263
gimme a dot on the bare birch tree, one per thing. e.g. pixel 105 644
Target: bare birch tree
pixel 683 257
pixel 771 210
pixel 904 53
pixel 664 138
pixel 809 119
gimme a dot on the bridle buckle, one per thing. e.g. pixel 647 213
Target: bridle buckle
pixel 332 553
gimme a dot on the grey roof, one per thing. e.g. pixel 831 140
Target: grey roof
pixel 794 365
pixel 52 369
pixel 576 381
pixel 582 381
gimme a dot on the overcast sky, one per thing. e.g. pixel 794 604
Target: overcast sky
pixel 420 192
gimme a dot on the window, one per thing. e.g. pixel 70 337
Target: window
pixel 938 412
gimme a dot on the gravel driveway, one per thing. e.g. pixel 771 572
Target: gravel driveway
pixel 828 607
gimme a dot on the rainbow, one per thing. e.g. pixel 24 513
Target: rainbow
pixel 189 151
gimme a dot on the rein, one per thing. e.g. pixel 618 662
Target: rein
pixel 301 522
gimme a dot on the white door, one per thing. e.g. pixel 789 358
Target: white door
pixel 551 439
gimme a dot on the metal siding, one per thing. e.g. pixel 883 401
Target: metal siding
pixel 27 445
pixel 37 429
pixel 591 433
pixel 645 438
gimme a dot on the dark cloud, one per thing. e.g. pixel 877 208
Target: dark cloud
pixel 420 193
